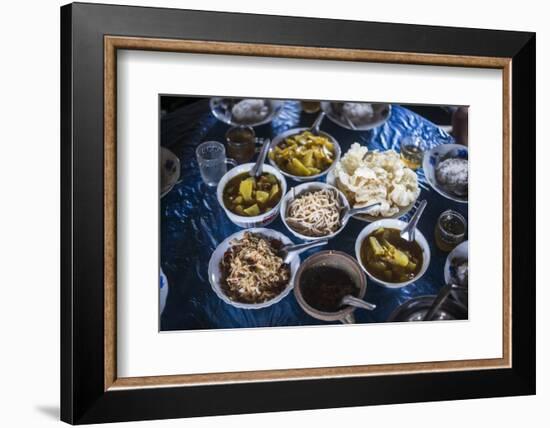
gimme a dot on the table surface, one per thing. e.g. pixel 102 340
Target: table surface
pixel 192 223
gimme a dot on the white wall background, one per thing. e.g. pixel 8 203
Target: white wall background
pixel 29 214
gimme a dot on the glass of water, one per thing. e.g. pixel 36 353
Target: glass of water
pixel 212 162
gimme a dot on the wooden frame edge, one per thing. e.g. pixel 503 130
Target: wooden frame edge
pixel 109 198
pixel 112 43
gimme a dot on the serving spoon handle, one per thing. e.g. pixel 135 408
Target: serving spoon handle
pixel 258 167
pixel 358 303
pixel 408 231
pixel 317 124
pixel 292 250
pixel 441 297
pixel 363 210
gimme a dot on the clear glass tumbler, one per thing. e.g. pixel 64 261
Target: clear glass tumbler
pixel 212 162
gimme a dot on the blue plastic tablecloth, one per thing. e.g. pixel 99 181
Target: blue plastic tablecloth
pixel 193 223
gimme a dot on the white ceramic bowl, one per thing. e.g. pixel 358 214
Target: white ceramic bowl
pixel 381 114
pixel 433 157
pixel 312 187
pixel 221 113
pixel 215 274
pixel 255 221
pixel 395 224
pixel 163 291
pixel 459 252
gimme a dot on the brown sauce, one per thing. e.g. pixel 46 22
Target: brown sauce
pixel 324 287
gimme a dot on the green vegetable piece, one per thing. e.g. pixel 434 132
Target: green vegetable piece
pixel 270 178
pixel 252 210
pixel 379 231
pixel 238 200
pixel 411 266
pixel 377 249
pixel 239 210
pixel 398 258
pixel 262 196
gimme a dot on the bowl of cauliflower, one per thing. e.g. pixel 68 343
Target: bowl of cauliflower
pixel 367 177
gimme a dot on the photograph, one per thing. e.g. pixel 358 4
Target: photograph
pixel 295 213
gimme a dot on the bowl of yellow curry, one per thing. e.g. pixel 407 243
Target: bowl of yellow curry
pixel 251 201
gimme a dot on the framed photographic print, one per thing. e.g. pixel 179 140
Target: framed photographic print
pixel 266 213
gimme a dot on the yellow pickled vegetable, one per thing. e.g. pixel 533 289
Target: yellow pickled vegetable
pixel 274 190
pixel 246 187
pixel 262 196
pixel 252 210
pixel 304 154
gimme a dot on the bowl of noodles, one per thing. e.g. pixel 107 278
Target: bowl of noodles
pixel 248 270
pixel 314 210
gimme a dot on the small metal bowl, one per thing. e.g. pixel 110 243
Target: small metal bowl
pixel 415 309
pixel 281 137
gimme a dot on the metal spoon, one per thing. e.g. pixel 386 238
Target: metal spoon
pixel 292 250
pixel 358 303
pixel 353 211
pixel 258 167
pixel 441 297
pixel 315 127
pixel 349 122
pixel 408 232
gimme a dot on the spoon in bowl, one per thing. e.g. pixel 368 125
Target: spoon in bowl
pixel 440 298
pixel 258 167
pixel 316 125
pixel 357 303
pixel 409 230
pixel 291 250
pixel 350 212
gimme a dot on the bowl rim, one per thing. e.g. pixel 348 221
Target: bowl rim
pixel 423 242
pixel 426 166
pixel 216 286
pixel 303 189
pixel 234 172
pixel 337 121
pixel 303 178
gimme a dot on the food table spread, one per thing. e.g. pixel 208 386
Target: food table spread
pixel 193 223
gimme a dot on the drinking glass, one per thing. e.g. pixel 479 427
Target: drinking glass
pixel 450 230
pixel 212 162
pixel 412 151
pixel 241 143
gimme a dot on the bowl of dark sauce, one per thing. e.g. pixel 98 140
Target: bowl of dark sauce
pixel 323 280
